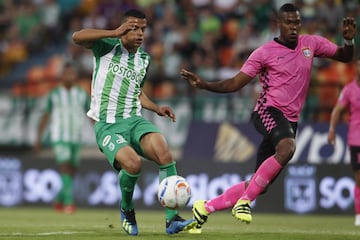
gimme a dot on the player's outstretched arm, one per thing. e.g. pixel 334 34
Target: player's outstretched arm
pixel 226 86
pixel 345 53
pixel 163 111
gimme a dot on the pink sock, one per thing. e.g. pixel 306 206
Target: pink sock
pixel 227 199
pixel 265 173
pixel 357 199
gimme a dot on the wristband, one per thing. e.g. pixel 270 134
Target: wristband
pixel 349 42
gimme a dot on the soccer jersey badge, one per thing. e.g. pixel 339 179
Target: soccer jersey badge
pixel 306 52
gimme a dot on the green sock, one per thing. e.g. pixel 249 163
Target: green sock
pixel 165 171
pixel 59 198
pixel 127 183
pixel 67 189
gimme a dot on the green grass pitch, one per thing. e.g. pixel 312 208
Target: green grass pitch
pixel 44 223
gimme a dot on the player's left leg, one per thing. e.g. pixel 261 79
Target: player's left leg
pixel 154 147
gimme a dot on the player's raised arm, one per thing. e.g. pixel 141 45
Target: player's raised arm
pixel 85 37
pixel 229 85
pixel 345 53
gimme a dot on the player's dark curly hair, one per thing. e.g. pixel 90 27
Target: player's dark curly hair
pixel 288 7
pixel 134 13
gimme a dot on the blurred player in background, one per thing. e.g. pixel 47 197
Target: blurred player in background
pixel 122 134
pixel 350 99
pixel 65 112
pixel 284 67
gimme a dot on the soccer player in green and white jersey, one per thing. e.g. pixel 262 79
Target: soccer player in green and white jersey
pixel 122 134
pixel 66 107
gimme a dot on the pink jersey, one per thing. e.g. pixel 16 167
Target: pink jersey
pixel 350 97
pixel 284 73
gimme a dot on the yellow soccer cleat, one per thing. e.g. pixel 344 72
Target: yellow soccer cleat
pixel 200 215
pixel 196 230
pixel 242 211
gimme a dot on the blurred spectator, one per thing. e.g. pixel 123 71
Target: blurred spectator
pixel 201 34
pixel 94 20
pixel 50 18
pixel 28 26
pixel 331 14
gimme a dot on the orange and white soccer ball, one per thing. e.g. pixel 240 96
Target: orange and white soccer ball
pixel 174 192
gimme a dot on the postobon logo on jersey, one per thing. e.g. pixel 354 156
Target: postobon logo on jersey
pixel 124 72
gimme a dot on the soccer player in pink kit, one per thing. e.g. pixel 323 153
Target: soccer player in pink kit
pixel 284 67
pixel 350 99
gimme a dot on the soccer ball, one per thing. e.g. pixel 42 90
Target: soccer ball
pixel 174 192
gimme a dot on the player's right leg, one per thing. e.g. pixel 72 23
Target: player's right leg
pixel 112 141
pixel 355 164
pixel 274 127
pixel 127 209
pixel 130 163
pixel 64 202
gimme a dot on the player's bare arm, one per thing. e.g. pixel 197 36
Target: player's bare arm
pixel 346 52
pixel 43 122
pixel 163 111
pixel 229 85
pixel 335 116
pixel 86 37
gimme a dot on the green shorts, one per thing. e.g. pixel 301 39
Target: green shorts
pixel 110 137
pixel 67 153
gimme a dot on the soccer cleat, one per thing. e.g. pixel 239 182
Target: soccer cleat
pixel 58 207
pixel 242 210
pixel 200 215
pixel 196 230
pixel 357 220
pixel 128 221
pixel 69 209
pixel 178 224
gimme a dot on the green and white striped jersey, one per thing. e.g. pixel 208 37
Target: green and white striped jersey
pixel 67 110
pixel 117 80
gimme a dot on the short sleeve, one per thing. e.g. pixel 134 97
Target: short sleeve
pixel 103 46
pixel 253 64
pixel 344 97
pixel 324 47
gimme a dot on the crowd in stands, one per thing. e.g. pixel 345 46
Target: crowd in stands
pixel 210 37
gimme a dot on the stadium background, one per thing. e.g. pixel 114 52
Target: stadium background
pixel 212 140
